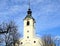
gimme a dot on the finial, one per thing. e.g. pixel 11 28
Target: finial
pixel 29 4
pixel 29 10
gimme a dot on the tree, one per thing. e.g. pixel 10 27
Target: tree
pixel 2 29
pixel 1 40
pixel 10 32
pixel 2 32
pixel 48 40
pixel 12 37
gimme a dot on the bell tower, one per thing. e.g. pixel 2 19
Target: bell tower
pixel 29 25
pixel 29 38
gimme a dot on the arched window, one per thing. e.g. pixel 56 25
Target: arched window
pixel 34 41
pixel 21 42
pixel 28 31
pixel 28 23
pixel 27 36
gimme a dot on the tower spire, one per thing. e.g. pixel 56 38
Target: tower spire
pixel 29 4
pixel 29 10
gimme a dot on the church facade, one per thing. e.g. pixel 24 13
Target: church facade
pixel 29 38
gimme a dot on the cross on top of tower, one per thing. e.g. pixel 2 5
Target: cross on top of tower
pixel 29 3
pixel 29 10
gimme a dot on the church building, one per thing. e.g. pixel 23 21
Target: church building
pixel 29 38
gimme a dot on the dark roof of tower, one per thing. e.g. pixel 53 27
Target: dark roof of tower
pixel 29 14
pixel 29 11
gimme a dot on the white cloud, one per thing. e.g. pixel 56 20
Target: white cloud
pixel 57 37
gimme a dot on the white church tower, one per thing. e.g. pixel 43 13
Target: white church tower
pixel 29 25
pixel 29 38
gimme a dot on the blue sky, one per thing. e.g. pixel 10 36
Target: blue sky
pixel 45 12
